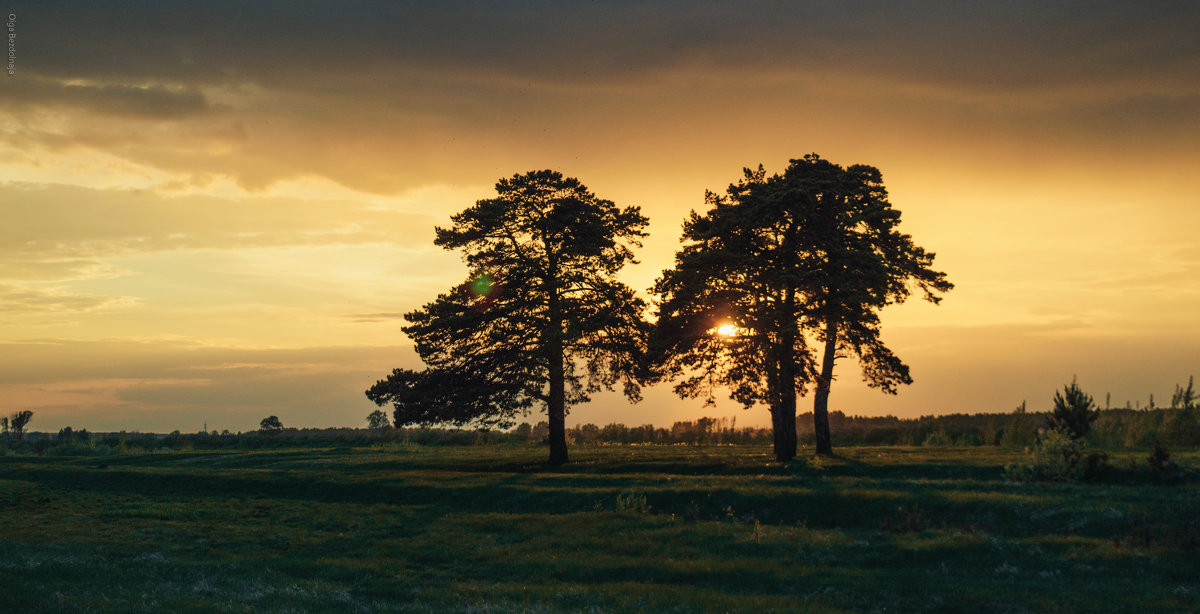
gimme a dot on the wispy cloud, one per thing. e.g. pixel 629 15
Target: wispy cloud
pixel 374 317
pixel 62 229
pixel 22 300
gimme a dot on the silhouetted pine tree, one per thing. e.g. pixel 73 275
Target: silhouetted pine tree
pixel 815 250
pixel 1074 411
pixel 541 318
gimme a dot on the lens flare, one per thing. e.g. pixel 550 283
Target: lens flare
pixel 726 330
pixel 482 291
pixel 482 285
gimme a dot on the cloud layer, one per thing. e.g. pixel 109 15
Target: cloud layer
pixel 389 98
pixel 226 207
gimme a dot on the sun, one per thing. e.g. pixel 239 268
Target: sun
pixel 726 330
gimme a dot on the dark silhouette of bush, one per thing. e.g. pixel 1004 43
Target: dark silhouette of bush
pixel 270 424
pixel 1162 466
pixel 1020 430
pixel 378 420
pixel 66 435
pixel 1058 457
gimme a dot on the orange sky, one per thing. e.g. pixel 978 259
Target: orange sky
pixel 216 212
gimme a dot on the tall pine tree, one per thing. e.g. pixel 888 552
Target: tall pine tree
pixel 541 318
pixel 812 253
pixel 857 262
pixel 729 312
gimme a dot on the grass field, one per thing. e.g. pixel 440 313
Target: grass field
pixel 640 528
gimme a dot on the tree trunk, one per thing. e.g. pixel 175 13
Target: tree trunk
pixel 556 404
pixel 783 431
pixel 774 409
pixel 556 410
pixel 784 420
pixel 824 383
pixel 787 424
pixel 777 433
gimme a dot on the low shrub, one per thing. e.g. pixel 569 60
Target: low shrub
pixel 1162 466
pixel 1057 457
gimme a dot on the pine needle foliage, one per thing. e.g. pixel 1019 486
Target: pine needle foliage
pixel 541 318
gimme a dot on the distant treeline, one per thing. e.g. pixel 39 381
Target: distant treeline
pixel 1114 428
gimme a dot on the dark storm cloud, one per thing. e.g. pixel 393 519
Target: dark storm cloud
pixel 387 96
pixel 304 44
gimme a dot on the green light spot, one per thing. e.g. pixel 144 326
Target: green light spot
pixel 482 285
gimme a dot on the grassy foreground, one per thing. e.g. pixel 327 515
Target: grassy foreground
pixel 641 528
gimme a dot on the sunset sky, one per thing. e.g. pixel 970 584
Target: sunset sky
pixel 218 211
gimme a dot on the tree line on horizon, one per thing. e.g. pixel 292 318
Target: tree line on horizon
pixel 1066 440
pixel 776 280
pixel 1176 426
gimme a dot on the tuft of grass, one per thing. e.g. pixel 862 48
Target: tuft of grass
pixel 632 503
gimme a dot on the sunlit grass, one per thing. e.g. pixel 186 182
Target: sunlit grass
pixel 622 528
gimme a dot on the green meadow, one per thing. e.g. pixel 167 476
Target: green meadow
pixel 409 528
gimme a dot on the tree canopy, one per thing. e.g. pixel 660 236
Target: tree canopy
pixel 15 426
pixel 270 424
pixel 540 319
pixel 738 269
pixel 377 420
pixel 810 255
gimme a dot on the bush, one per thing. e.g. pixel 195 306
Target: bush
pixel 76 448
pixel 1162 466
pixel 937 438
pixel 377 420
pixel 1058 457
pixel 1184 429
pixel 1020 429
